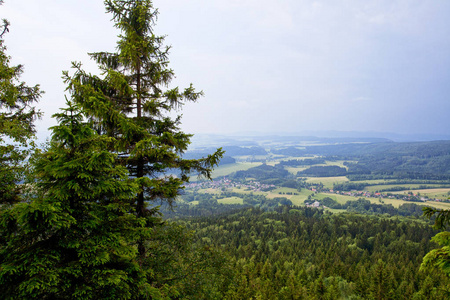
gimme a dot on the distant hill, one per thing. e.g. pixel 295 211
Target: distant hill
pixel 263 172
pixel 197 155
pixel 418 160
pixel 232 151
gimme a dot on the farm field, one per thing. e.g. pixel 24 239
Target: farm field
pixel 298 198
pixel 294 170
pixel 231 200
pixel 295 199
pixel 407 187
pixel 327 181
pixel 441 193
pixel 375 181
pixel 339 163
pixel 342 199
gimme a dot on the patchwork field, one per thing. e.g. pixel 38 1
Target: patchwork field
pixel 295 170
pixel 298 198
pixel 231 200
pixel 441 193
pixel 406 187
pixel 327 181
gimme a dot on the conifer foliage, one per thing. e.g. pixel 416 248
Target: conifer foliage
pixel 17 114
pixel 131 103
pixel 75 240
pixel 89 228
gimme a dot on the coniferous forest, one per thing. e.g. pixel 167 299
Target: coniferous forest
pixel 98 211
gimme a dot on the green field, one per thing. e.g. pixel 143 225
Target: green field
pixel 247 191
pixel 441 193
pixel 231 200
pixel 342 199
pixel 375 181
pixel 440 205
pixel 295 199
pixel 294 170
pixel 327 181
pixel 407 187
pixel 339 163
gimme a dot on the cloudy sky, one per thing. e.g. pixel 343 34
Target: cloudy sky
pixel 265 66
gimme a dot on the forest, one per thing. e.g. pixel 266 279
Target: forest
pixel 118 205
pixel 302 253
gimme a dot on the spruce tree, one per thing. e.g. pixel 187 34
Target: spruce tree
pixel 85 231
pixel 17 129
pixel 131 102
pixel 76 238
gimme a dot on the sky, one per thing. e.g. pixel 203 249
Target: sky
pixel 285 66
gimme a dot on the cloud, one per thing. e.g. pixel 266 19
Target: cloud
pixel 267 65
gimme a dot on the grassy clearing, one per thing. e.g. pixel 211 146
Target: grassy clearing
pixel 231 200
pixel 246 191
pixel 441 193
pixel 327 181
pixel 295 199
pixel 395 202
pixel 407 187
pixel 440 205
pixel 339 163
pixel 284 190
pixel 294 170
pixel 298 199
pixel 342 199
pixel 375 181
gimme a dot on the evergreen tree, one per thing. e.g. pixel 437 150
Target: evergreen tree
pixel 131 103
pixel 16 124
pixel 439 258
pixel 86 231
pixel 75 239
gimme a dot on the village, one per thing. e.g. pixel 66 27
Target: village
pixel 225 183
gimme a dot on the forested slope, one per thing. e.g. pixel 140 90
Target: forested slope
pixel 301 253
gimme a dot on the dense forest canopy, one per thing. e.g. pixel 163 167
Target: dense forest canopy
pixel 301 253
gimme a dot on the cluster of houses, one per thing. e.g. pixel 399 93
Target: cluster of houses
pixel 225 183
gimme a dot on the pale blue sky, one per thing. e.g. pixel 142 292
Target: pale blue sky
pixel 266 66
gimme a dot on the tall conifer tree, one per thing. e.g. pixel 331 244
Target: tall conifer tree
pixel 131 102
